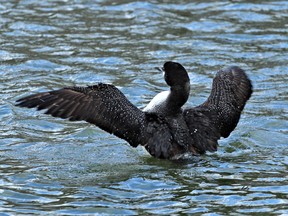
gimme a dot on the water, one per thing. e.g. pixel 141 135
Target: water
pixel 52 166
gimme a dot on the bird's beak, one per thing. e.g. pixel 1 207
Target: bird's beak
pixel 161 70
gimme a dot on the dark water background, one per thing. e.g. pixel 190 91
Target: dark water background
pixel 53 166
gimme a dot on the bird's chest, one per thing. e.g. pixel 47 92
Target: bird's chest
pixel 179 130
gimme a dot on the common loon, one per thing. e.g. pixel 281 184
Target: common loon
pixel 163 127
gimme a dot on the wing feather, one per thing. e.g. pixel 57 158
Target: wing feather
pixel 103 105
pixel 221 112
pixel 231 89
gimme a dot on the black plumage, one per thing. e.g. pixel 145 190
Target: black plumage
pixel 163 127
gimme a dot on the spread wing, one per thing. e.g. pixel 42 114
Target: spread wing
pixel 103 105
pixel 221 112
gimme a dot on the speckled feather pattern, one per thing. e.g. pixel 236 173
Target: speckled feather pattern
pixel 103 105
pixel 166 131
pixel 218 116
pixel 231 89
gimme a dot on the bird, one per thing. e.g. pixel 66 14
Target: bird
pixel 164 128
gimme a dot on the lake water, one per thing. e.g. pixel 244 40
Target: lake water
pixel 53 166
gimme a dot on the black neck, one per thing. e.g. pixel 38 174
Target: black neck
pixel 178 96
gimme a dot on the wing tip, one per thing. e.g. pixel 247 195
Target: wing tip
pixel 238 77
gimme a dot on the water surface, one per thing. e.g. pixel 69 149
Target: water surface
pixel 54 166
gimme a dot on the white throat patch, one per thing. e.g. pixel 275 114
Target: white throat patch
pixel 157 101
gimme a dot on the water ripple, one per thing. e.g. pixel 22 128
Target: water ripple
pixel 52 166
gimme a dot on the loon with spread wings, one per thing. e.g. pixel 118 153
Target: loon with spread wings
pixel 163 127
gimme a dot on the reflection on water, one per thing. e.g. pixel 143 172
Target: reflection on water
pixel 53 166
